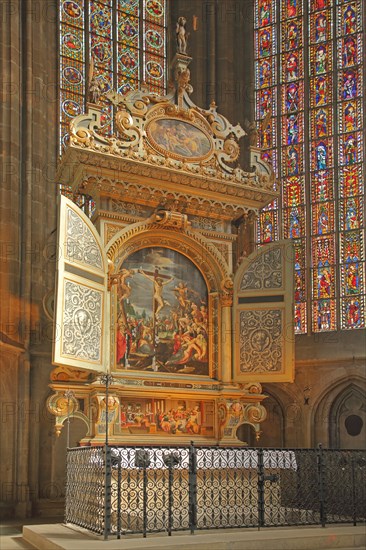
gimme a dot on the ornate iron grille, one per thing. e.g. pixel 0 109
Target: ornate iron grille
pixel 85 490
pixel 118 490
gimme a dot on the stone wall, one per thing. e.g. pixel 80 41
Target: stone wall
pixel 28 217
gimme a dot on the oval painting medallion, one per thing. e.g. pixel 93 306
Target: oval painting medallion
pixel 179 139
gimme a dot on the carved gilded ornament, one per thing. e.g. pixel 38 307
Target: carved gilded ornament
pixel 234 412
pixel 59 405
pixel 227 288
pixel 252 388
pixel 171 132
pixel 61 374
pixel 220 209
pixel 189 243
pixel 62 408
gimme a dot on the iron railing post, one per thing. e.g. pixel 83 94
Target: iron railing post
pixel 192 488
pixel 144 498
pixel 320 460
pixel 353 491
pixel 261 502
pixel 107 379
pixel 119 499
pixel 170 498
pixel 107 491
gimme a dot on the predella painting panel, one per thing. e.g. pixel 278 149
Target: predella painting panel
pixel 162 314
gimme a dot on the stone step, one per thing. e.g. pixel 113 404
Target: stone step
pixel 65 537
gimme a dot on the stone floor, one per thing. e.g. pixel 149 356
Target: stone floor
pixel 52 535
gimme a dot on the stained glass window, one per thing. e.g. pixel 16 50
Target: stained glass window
pixel 311 132
pixel 123 42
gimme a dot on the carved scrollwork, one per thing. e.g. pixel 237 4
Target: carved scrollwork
pixel 59 405
pixel 229 154
pixel 265 272
pixel 81 245
pixel 227 287
pixel 255 413
pixel 62 374
pixel 82 317
pixel 172 219
pixel 252 388
pixel 222 412
pixel 126 127
pixel 260 340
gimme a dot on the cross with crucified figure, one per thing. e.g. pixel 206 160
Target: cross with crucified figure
pixel 159 281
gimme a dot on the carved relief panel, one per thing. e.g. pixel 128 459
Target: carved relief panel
pixel 263 316
pixel 81 297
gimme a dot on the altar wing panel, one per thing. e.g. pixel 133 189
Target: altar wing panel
pixel 264 315
pixel 81 309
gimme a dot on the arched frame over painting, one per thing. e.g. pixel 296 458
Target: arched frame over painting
pixel 149 241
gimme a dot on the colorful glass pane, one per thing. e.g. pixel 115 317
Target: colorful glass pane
pixel 128 61
pixel 72 12
pixel 154 9
pixel 321 187
pixel 101 50
pixel 264 13
pixel 129 6
pixel 268 224
pixel 350 153
pixel 353 312
pixel 100 19
pixel 72 43
pixel 116 33
pixel 128 29
pixel 332 84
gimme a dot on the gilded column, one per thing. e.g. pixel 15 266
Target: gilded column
pixel 226 299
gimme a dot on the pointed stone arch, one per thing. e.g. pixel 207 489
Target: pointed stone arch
pixel 273 427
pixel 343 399
pixel 347 422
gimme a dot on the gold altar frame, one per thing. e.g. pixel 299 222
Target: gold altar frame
pixel 206 259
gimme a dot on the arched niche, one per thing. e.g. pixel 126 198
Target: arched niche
pixel 344 399
pixel 347 419
pixel 246 433
pixel 272 428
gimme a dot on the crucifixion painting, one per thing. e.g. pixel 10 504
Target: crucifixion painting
pixel 161 314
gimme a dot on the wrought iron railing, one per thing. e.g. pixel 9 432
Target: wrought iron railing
pixel 118 490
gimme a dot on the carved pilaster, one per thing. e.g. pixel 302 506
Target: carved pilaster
pixel 100 414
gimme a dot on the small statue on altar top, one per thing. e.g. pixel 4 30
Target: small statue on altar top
pixel 252 132
pixel 94 90
pixel 181 35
